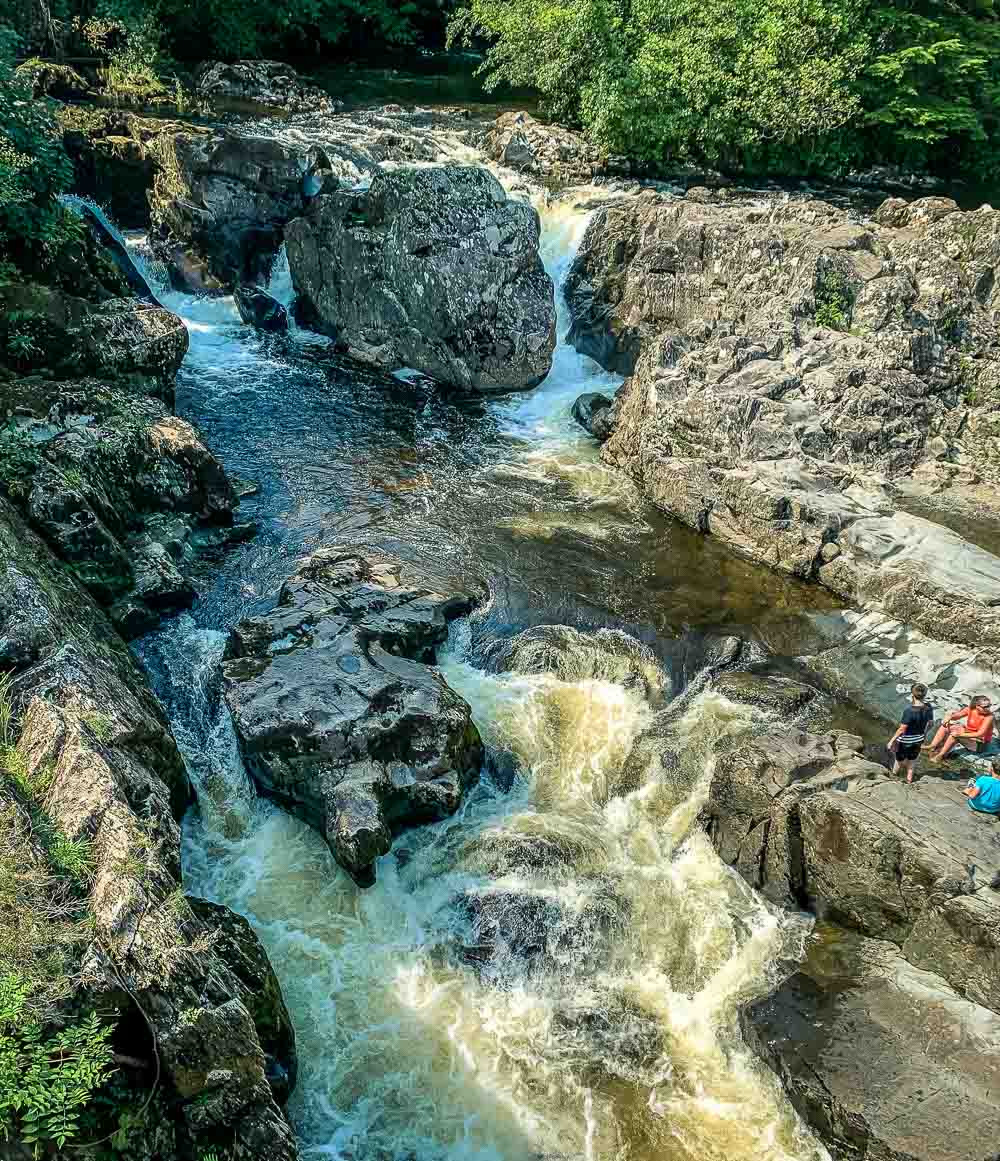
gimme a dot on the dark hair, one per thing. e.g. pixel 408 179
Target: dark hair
pixel 995 767
pixel 976 699
pixel 919 691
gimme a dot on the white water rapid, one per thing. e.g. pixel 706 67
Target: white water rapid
pixel 556 971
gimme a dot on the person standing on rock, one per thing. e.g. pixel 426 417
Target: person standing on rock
pixel 905 743
pixel 984 793
pixel 975 732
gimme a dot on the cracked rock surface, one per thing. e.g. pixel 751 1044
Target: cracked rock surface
pixel 341 716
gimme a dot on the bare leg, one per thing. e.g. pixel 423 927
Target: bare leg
pixel 939 737
pixel 945 749
pixel 905 767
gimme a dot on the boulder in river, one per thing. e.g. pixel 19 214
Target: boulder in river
pixel 548 152
pixel 339 714
pixel 781 695
pixel 881 1058
pixel 220 201
pixel 260 310
pixel 590 411
pixel 432 268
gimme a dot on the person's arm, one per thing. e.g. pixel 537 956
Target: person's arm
pixel 900 730
pixel 972 791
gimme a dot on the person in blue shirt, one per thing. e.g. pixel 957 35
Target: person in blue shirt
pixel 984 793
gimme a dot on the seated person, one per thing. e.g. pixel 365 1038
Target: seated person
pixel 972 726
pixel 984 793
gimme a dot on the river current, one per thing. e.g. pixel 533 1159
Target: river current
pixel 556 971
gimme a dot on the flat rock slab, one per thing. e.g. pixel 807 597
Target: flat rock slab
pixel 340 716
pixel 884 1060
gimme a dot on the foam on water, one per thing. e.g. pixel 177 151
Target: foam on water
pixel 555 972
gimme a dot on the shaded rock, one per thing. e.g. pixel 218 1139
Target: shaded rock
pixel 91 732
pixel 549 152
pixel 430 268
pixel 119 488
pixel 779 694
pixel 258 309
pixel 241 951
pixel 106 236
pixel 338 714
pixel 590 412
pixel 116 337
pixel 220 202
pixel 882 1059
pixel 260 82
pixel 50 79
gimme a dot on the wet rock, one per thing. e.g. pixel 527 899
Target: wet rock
pixel 880 1058
pixel 91 732
pixel 548 152
pixel 113 337
pixel 340 716
pixel 220 202
pixel 118 251
pixel 241 951
pixel 431 268
pixel 258 309
pixel 270 83
pixel 778 694
pixel 590 412
pixel 511 930
pixel 120 489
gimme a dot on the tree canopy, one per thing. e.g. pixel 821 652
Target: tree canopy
pixel 766 85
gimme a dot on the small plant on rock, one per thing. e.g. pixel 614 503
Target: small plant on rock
pixel 834 300
pixel 20 458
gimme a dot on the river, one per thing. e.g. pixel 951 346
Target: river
pixel 597 1018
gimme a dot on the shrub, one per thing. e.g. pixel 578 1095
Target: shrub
pixel 834 300
pixel 20 458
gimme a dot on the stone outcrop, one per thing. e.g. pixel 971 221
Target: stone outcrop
pixel 269 83
pixel 799 377
pixel 434 269
pixel 592 411
pixel 339 714
pixel 124 492
pixel 95 748
pixel 881 1057
pixel 550 153
pixel 911 879
pixel 220 201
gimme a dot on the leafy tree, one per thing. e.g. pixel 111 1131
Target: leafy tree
pixel 34 168
pixel 792 85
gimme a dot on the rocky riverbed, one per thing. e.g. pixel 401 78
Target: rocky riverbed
pixel 479 662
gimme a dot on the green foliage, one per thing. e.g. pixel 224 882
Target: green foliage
pixel 834 300
pixel 787 85
pixel 34 167
pixel 20 458
pixel 47 1077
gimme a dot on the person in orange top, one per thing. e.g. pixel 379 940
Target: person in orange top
pixel 972 726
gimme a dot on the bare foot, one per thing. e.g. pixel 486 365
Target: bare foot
pixel 909 777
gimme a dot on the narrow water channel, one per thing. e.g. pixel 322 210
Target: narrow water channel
pixel 556 971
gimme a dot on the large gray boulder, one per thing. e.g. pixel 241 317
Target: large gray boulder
pixel 270 83
pixel 339 714
pixel 812 824
pixel 432 268
pixel 883 1059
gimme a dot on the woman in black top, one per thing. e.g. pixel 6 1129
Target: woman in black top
pixel 905 743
